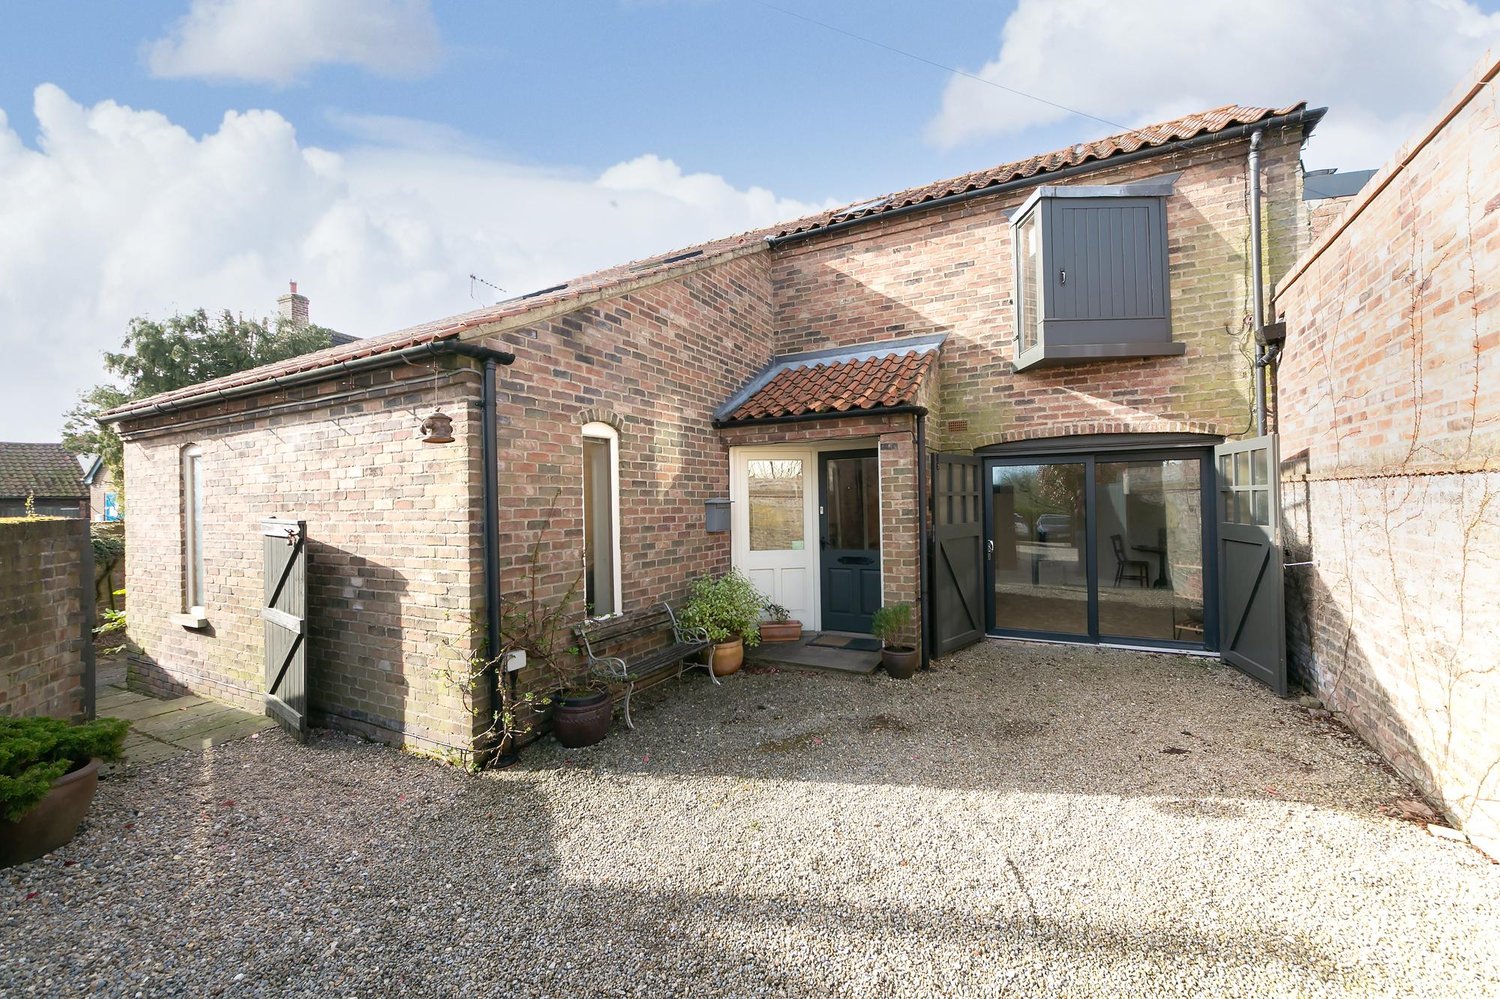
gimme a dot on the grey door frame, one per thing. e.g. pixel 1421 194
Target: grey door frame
pixel 1089 459
pixel 824 553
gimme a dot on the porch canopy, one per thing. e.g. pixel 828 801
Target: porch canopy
pixel 859 379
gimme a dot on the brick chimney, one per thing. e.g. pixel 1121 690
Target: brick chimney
pixel 293 306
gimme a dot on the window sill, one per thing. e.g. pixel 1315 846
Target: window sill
pixel 195 618
pixel 1049 355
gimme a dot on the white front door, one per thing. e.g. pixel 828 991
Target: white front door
pixel 774 525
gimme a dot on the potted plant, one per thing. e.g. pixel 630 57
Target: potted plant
pixel 778 625
pixel 892 625
pixel 728 608
pixel 49 771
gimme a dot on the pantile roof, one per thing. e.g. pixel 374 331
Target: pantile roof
pixel 44 470
pixel 855 379
pixel 622 275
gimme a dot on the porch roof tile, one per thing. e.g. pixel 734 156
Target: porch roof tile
pixel 849 384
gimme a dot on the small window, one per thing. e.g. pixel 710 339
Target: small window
pixel 601 519
pixel 1091 275
pixel 192 528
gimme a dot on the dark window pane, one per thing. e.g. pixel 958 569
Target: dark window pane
pixel 1149 520
pixel 1041 576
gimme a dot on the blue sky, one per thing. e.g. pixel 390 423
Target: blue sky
pixel 161 156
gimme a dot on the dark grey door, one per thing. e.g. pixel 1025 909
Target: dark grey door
pixel 957 552
pixel 284 543
pixel 1250 571
pixel 849 538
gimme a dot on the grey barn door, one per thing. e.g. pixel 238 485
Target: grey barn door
pixel 957 553
pixel 284 543
pixel 1251 612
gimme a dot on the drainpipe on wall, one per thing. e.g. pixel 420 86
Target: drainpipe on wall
pixel 490 493
pixel 1257 283
pixel 924 637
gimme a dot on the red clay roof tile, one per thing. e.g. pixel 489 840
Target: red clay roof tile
pixel 839 387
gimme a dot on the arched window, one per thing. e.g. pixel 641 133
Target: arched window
pixel 601 519
pixel 192 529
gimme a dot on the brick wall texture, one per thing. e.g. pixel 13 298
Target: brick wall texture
pixel 43 634
pixel 395 525
pixel 1391 464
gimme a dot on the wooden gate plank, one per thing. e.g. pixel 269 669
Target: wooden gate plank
pixel 284 546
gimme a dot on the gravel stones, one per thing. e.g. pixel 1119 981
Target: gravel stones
pixel 1008 822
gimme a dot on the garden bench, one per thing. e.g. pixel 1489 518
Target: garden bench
pixel 686 642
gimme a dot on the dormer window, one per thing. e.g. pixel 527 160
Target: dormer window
pixel 1091 275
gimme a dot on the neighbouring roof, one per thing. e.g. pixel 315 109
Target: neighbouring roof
pixel 44 470
pixel 1162 135
pixel 1320 185
pixel 843 380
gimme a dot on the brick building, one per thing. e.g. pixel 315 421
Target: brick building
pixel 1390 429
pixel 898 405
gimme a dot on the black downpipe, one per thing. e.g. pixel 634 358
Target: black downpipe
pixel 491 497
pixel 924 640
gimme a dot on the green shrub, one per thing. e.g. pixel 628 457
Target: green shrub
pixel 891 624
pixel 726 606
pixel 34 752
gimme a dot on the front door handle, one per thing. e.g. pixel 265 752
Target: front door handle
pixel 989 550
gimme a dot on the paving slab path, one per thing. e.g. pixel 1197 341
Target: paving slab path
pixel 161 729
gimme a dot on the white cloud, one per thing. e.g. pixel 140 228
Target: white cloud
pixel 119 212
pixel 278 41
pixel 1381 66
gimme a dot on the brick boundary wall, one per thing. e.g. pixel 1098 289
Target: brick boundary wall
pixel 1391 461
pixel 46 612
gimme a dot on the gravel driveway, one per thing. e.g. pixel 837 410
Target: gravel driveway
pixel 1023 819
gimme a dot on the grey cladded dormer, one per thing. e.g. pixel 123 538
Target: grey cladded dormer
pixel 1091 274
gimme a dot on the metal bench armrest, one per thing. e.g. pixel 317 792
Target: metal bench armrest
pixel 683 635
pixel 610 667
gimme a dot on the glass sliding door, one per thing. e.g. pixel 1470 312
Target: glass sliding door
pixel 1150 548
pixel 1040 566
pixel 1101 547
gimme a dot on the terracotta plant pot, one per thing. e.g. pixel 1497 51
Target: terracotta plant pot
pixel 728 656
pixel 780 631
pixel 53 821
pixel 900 661
pixel 582 719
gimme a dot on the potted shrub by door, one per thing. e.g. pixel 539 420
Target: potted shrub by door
pixel 728 608
pixel 779 626
pixel 49 771
pixel 892 625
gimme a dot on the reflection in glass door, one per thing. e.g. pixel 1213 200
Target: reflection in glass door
pixel 1150 528
pixel 1040 535
pixel 1110 547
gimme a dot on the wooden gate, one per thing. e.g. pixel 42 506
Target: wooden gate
pixel 957 553
pixel 1251 601
pixel 285 614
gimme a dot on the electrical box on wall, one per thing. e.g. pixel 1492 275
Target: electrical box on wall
pixel 515 660
pixel 716 516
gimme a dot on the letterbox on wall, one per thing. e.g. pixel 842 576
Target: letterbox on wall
pixel 716 516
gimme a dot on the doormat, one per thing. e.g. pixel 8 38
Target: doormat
pixel 846 642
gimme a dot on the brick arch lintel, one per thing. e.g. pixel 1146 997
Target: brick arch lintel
pixel 599 415
pixel 1036 432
